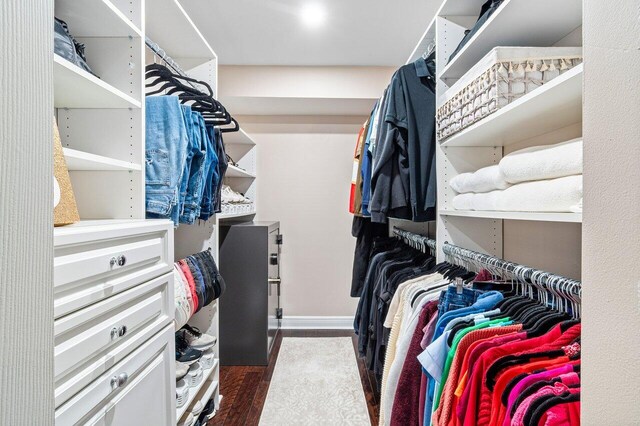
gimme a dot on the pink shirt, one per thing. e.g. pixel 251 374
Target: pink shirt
pixel 556 389
pixel 564 373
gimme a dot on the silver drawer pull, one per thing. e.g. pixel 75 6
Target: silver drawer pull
pixel 118 332
pixel 118 261
pixel 119 380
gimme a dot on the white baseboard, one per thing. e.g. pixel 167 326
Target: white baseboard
pixel 317 323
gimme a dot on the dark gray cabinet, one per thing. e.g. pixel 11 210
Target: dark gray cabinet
pixel 250 312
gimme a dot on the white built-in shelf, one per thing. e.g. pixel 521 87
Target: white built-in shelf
pixel 195 391
pixel 169 25
pixel 77 88
pixel 552 106
pixel 206 393
pixel 95 18
pixel 238 138
pixel 517 23
pixel 532 216
pixel 80 160
pixel 460 8
pixel 237 172
pixel 227 216
pixel 427 38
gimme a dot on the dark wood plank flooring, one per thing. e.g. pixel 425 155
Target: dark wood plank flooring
pixel 244 388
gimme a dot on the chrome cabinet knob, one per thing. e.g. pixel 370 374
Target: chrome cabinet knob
pixel 122 260
pixel 119 380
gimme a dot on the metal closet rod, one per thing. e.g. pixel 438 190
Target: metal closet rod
pixel 556 283
pixel 163 56
pixel 411 237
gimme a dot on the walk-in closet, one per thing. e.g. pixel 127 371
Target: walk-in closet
pixel 319 212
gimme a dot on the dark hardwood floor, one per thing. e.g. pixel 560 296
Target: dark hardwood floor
pixel 244 388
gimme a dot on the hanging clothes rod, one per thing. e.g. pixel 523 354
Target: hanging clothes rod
pixel 419 242
pixel 559 287
pixel 155 48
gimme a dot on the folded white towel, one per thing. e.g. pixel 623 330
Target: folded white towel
pixel 556 195
pixel 484 180
pixel 543 162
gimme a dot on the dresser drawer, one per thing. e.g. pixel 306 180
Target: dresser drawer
pixel 95 262
pixel 89 341
pixel 139 390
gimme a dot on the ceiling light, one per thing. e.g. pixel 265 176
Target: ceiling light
pixel 313 15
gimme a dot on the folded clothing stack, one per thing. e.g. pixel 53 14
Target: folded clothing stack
pixel 536 179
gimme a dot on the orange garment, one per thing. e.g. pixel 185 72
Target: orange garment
pixel 443 413
pixel 355 196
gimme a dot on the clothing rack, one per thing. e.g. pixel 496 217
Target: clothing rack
pixel 418 242
pixel 155 48
pixel 565 293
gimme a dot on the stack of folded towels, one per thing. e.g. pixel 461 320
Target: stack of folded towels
pixel 537 179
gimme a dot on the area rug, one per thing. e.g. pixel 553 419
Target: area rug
pixel 315 382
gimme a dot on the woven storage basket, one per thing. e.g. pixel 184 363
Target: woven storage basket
pixel 502 76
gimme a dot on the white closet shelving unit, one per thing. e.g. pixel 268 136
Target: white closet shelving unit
pixel 113 286
pixel 242 178
pixel 169 25
pixel 550 114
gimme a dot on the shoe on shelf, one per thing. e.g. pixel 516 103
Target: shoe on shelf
pixel 185 353
pixel 189 420
pixel 208 412
pixel 182 393
pixel 197 408
pixel 198 340
pixel 181 370
pixel 208 359
pixel 195 375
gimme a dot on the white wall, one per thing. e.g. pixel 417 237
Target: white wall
pixel 26 212
pixel 611 223
pixel 304 172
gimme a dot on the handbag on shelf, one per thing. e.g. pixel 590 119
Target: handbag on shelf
pixel 68 47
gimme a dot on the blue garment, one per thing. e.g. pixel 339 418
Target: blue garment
pixel 193 184
pixel 451 299
pixel 198 278
pixel 166 143
pixel 366 169
pixel 486 301
pixel 211 176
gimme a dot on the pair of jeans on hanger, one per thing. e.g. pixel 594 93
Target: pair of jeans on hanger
pixel 486 11
pixel 166 143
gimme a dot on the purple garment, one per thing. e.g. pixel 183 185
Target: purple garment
pixel 428 332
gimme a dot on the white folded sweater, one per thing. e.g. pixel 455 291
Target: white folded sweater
pixel 484 180
pixel 555 195
pixel 543 162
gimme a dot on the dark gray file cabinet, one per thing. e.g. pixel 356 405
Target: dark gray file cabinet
pixel 250 313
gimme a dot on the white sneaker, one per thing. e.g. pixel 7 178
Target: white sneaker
pixel 182 393
pixel 181 370
pixel 208 359
pixel 195 375
pixel 197 409
pixel 198 340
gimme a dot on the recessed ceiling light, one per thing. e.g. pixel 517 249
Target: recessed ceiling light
pixel 313 15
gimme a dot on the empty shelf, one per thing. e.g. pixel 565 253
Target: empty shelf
pixel 234 171
pixel 76 88
pixel 80 160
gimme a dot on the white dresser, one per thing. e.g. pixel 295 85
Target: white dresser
pixel 114 335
